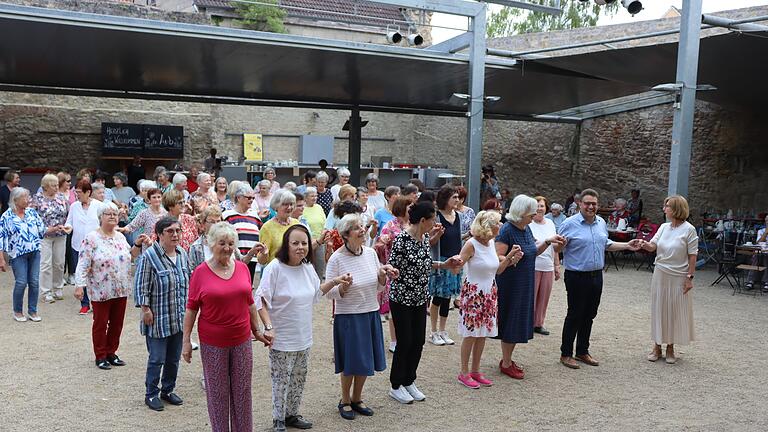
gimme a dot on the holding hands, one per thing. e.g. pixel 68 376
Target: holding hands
pixel 515 254
pixel 557 240
pixel 260 248
pixel 637 244
pixel 453 262
pixel 143 240
pixel 389 271
pixel 343 282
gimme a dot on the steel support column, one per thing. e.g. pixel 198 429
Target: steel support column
pixel 475 109
pixel 355 146
pixel 687 70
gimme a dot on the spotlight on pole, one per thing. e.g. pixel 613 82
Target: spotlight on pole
pixel 415 39
pixel 394 37
pixel 632 6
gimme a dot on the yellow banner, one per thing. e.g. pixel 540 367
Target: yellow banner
pixel 253 147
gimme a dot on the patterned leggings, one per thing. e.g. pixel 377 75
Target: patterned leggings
pixel 289 372
pixel 227 374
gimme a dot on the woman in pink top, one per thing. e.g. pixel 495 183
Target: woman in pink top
pixel 220 291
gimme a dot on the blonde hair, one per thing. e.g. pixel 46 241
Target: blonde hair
pixel 347 190
pixel 208 212
pixel 679 207
pixel 50 180
pixel 484 222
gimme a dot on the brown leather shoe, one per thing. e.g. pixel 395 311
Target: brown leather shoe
pixel 586 358
pixel 569 362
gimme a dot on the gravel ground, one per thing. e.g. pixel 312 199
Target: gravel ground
pixel 49 381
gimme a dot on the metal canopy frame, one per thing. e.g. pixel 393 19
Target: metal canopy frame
pixel 611 106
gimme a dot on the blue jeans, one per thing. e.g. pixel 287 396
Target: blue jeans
pixel 164 355
pixel 26 271
pixel 75 258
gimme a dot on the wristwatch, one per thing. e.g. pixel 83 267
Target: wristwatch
pixel 268 327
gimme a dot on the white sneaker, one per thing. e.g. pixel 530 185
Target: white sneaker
pixel 392 346
pixel 59 295
pixel 415 392
pixel 444 336
pixel 435 339
pixel 401 395
pixel 195 346
pixel 49 299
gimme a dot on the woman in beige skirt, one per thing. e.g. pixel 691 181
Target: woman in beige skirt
pixel 676 246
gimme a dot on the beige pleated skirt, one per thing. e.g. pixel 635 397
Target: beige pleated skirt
pixel 671 310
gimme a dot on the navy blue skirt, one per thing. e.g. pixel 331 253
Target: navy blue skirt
pixel 358 344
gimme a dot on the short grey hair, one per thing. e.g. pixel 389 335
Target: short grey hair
pixel 322 176
pixel 145 185
pixel 241 189
pixel 280 197
pixel 97 186
pixel 371 177
pixel 120 176
pixel 104 207
pixel 179 178
pixel 343 172
pixel 521 206
pixel 264 182
pixel 348 223
pixel 269 170
pixel 202 176
pixel 289 186
pixel 620 202
pixel 17 193
pixel 556 206
pixel 221 230
pixel 310 190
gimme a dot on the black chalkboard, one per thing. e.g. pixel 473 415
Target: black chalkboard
pixel 122 139
pixel 167 141
pixel 126 139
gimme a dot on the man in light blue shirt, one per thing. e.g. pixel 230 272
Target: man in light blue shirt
pixel 584 258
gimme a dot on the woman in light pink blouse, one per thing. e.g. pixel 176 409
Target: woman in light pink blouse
pixel 104 270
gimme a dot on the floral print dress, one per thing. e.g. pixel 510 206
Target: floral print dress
pixel 104 268
pixel 478 299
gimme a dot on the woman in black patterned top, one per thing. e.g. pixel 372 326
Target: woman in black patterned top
pixel 408 295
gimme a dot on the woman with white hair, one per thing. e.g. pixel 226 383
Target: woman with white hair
pixel 269 174
pixel 519 248
pixel 52 207
pixel 261 202
pixel 324 195
pixel 220 292
pixel 619 212
pixel 245 219
pixel 104 271
pixel 376 199
pixel 358 340
pixel 205 188
pixel 344 175
pixel 163 179
pixel 21 233
pixel 271 234
pixel 556 215
pixel 140 201
pixel 291 186
pixel 479 295
pixel 180 184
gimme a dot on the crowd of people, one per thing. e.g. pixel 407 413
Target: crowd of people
pixel 246 265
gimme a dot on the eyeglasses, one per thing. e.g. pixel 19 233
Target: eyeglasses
pixel 589 204
pixel 172 231
pixel 249 198
pixel 111 214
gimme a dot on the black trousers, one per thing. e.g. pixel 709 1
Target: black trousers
pixel 584 290
pixel 410 327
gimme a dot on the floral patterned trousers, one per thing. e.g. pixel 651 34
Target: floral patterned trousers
pixel 289 372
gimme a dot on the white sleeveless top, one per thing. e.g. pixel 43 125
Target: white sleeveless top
pixel 481 268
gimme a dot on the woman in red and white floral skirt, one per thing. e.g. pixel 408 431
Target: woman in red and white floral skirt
pixel 478 298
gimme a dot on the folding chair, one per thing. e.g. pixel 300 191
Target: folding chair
pixel 707 248
pixel 728 261
pixel 646 231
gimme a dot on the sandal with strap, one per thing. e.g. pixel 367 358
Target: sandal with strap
pixel 346 414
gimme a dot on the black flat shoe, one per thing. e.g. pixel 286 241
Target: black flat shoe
pixel 297 422
pixel 359 408
pixel 114 360
pixel 172 398
pixel 103 364
pixel 541 331
pixel 154 403
pixel 346 415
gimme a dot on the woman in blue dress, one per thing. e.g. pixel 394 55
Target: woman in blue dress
pixel 517 249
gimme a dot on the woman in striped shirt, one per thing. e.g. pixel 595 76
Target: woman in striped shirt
pixel 245 220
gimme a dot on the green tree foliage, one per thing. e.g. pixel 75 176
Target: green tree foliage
pixel 262 17
pixel 576 14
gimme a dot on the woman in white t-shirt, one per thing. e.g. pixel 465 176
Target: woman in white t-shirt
pixel 547 265
pixel 289 288
pixel 676 245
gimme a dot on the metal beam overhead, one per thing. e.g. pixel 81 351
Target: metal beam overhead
pixel 735 25
pixel 613 106
pixel 454 44
pixel 453 7
pixel 687 74
pixel 552 10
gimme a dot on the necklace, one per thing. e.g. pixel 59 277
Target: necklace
pixel 346 246
pixel 283 223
